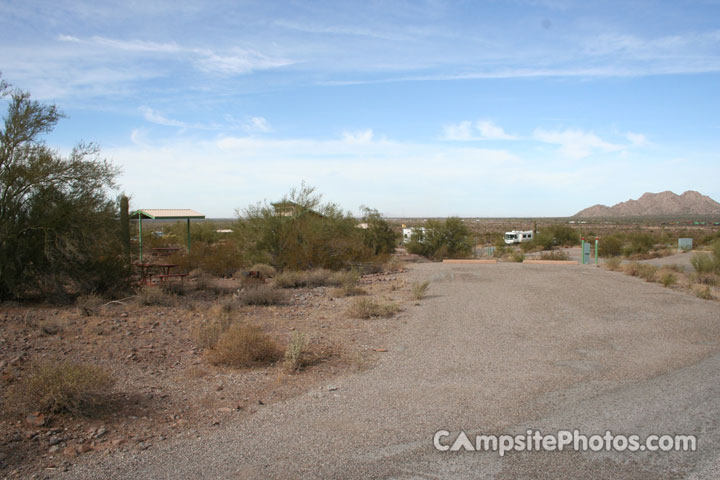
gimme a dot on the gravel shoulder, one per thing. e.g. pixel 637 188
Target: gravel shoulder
pixel 492 349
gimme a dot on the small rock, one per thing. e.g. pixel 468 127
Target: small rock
pixel 70 451
pixel 260 402
pixel 332 388
pixel 219 388
pixel 225 409
pixel 214 422
pixel 55 440
pixel 100 432
pixel 35 419
pixel 53 449
pixel 124 315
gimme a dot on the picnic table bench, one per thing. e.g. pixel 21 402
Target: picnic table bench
pixel 165 269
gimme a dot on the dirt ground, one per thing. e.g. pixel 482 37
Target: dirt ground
pixel 165 385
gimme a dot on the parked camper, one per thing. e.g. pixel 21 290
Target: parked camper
pixel 518 236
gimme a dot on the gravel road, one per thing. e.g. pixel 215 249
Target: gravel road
pixel 493 349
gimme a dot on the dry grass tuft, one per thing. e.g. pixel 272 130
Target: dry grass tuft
pixel 668 278
pixel 555 255
pixel 614 264
pixel 369 308
pixel 152 295
pixel 394 265
pixel 51 387
pixel 243 346
pixel 295 352
pixel 88 305
pixel 314 278
pixel 262 295
pixel 419 290
pixel 207 332
pixel 704 293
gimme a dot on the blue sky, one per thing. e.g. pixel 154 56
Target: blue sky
pixel 426 108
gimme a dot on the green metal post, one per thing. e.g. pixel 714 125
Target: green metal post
pixel 188 233
pixel 140 233
pixel 596 250
pixel 582 250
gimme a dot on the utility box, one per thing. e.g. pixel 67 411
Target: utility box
pixel 586 253
pixel 685 244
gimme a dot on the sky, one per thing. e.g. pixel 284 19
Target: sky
pixel 496 108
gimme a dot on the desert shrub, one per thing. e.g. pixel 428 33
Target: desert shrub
pixel 705 278
pixel 564 235
pixel 378 236
pixel 369 308
pixel 243 346
pixel 348 290
pixel 554 255
pixel 645 271
pixel 295 352
pixel 44 248
pixel 448 239
pixel 610 246
pixel 394 265
pixel 517 256
pixel 50 326
pixel 703 262
pixel 301 233
pixel 419 289
pixel 614 263
pixel 88 305
pixel 704 292
pixel 265 270
pixel 207 331
pixel 173 288
pixel 63 387
pixel 638 243
pixel 152 295
pixel 668 278
pixel 314 278
pixel 221 259
pixel 262 295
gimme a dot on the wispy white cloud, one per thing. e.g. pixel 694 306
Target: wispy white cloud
pixel 575 143
pixel 358 137
pixel 258 124
pixel 637 139
pixel 481 130
pixel 152 116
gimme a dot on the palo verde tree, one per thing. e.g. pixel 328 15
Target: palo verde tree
pixel 300 232
pixel 59 230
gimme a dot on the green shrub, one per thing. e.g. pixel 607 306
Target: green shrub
pixel 448 239
pixel 368 308
pixel 221 259
pixel 645 271
pixel 378 236
pixel 300 233
pixel 63 387
pixel 266 271
pixel 610 246
pixel 243 346
pixel 668 279
pixel 517 256
pixel 314 278
pixel 703 263
pixel 638 243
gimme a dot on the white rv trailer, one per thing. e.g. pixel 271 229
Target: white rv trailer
pixel 518 236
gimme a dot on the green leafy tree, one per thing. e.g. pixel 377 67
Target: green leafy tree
pixel 378 236
pixel 448 239
pixel 59 231
pixel 301 232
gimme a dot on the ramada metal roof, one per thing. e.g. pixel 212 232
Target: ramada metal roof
pixel 166 213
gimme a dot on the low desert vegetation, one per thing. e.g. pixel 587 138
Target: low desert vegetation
pixel 442 239
pixel 264 295
pixel 314 278
pixel 668 278
pixel 63 387
pixel 704 292
pixel 295 352
pixel 614 264
pixel 517 256
pixel 419 289
pixel 554 255
pixel 365 308
pixel 243 346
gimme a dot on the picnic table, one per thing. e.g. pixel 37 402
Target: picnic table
pixel 165 270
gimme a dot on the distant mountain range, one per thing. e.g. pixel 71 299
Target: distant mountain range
pixel 657 204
